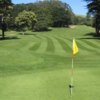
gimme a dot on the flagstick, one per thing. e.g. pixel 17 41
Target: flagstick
pixel 72 75
pixel 74 51
pixel 71 83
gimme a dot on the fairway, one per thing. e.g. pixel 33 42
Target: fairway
pixel 37 65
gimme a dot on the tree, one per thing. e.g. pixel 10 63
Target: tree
pixel 94 9
pixel 61 14
pixel 49 13
pixel 5 6
pixel 44 17
pixel 25 19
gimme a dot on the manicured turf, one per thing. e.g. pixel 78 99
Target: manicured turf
pixel 36 66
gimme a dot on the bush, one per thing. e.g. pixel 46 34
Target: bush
pixel 25 20
pixel 41 26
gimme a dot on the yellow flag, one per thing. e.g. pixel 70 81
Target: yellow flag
pixel 74 48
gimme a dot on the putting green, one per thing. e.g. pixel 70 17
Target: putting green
pixel 38 66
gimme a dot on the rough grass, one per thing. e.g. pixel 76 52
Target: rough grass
pixel 37 66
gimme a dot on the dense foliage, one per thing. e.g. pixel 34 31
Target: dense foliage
pixel 5 7
pixel 25 19
pixel 94 9
pixel 84 20
pixel 48 13
pixel 45 14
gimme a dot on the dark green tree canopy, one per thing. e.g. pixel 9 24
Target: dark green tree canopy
pixel 25 19
pixel 5 5
pixel 51 12
pixel 94 9
pixel 93 6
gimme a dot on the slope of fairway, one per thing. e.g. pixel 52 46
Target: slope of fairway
pixel 37 65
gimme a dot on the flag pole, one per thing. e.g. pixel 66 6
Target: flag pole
pixel 72 78
pixel 74 52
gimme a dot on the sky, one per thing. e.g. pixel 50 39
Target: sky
pixel 78 6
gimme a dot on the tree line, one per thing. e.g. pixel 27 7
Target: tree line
pixel 38 16
pixel 46 14
pixel 94 10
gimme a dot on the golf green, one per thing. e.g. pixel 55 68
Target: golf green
pixel 37 65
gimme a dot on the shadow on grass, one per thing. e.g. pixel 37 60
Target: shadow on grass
pixel 91 36
pixel 9 38
pixel 32 34
pixel 22 33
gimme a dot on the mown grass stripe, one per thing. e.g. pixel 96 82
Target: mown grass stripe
pixel 80 44
pixel 36 46
pixel 43 46
pixel 92 43
pixel 57 45
pixel 64 45
pixel 50 45
pixel 91 48
pixel 69 43
pixel 28 46
pixel 37 36
pixel 85 46
pixel 82 49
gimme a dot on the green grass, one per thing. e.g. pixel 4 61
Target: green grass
pixel 37 66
